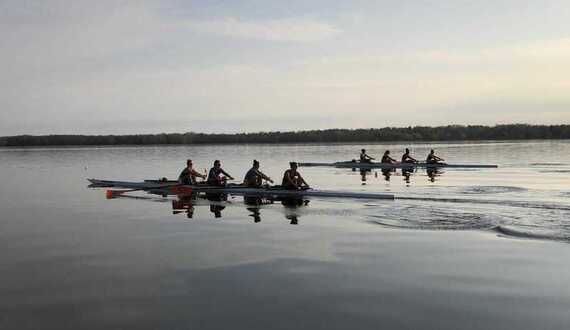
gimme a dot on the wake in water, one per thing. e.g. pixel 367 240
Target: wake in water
pixel 536 220
pixel 491 190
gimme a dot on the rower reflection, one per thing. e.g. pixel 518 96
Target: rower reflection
pixel 433 173
pixel 387 173
pixel 183 204
pixel 407 173
pixel 292 206
pixel 254 202
pixel 363 174
pixel 218 207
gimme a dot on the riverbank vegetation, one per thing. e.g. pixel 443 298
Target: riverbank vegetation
pixel 417 133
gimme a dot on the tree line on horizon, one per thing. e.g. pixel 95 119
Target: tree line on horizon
pixel 417 133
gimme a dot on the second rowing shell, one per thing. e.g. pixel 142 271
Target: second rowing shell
pixel 350 164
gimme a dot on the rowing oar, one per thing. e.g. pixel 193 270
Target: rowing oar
pixel 178 189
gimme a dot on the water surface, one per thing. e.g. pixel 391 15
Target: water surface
pixel 471 249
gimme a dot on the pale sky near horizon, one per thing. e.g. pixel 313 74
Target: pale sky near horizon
pixel 120 67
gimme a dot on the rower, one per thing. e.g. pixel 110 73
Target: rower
pixel 433 159
pixel 387 159
pixel 364 158
pixel 406 158
pixel 189 174
pixel 215 175
pixel 253 177
pixel 293 179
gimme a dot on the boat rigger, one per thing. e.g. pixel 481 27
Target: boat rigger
pixel 172 187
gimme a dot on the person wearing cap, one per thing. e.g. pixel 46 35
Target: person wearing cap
pixel 189 174
pixel 254 177
pixel 406 158
pixel 215 175
pixel 293 179
pixel 364 158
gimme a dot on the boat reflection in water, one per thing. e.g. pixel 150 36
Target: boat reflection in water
pixel 254 204
pixel 407 173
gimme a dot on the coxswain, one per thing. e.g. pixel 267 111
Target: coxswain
pixel 406 158
pixel 215 175
pixel 433 159
pixel 293 179
pixel 386 159
pixel 364 158
pixel 189 174
pixel 253 177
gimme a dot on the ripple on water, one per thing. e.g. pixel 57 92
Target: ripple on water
pixel 531 233
pixel 547 164
pixel 492 190
pixel 434 218
pixel 526 224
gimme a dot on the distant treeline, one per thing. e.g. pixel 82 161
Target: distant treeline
pixel 418 133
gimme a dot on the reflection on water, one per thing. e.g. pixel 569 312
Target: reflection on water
pixel 433 174
pixel 218 202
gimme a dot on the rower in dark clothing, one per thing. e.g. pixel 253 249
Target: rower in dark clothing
pixel 189 174
pixel 253 177
pixel 215 175
pixel 387 159
pixel 433 159
pixel 406 158
pixel 364 158
pixel 293 179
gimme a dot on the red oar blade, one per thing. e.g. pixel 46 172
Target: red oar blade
pixel 181 190
pixel 110 194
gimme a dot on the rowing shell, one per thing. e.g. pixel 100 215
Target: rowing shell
pixel 355 164
pixel 167 188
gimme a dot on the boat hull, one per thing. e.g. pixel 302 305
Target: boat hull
pixel 166 188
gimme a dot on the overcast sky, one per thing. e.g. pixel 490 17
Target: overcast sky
pixel 99 67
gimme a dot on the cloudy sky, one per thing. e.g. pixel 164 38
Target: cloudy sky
pixel 99 67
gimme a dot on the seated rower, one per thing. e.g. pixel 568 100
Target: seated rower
pixel 386 159
pixel 253 177
pixel 293 179
pixel 364 158
pixel 215 177
pixel 189 174
pixel 406 158
pixel 433 159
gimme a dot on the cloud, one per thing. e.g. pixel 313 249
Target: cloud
pixel 290 29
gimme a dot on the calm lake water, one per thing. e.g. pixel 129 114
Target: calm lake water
pixel 461 249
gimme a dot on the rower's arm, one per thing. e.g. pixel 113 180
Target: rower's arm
pixel 264 177
pixel 302 180
pixel 227 174
pixel 198 174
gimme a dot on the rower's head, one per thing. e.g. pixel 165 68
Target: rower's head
pixel 293 165
pixel 363 151
pixel 189 162
pixel 255 163
pixel 432 152
pixel 217 163
pixel 387 152
pixel 407 151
